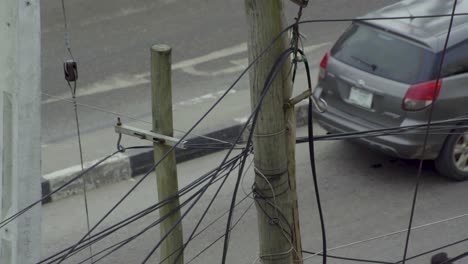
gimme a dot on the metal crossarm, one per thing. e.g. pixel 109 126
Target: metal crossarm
pixel 149 135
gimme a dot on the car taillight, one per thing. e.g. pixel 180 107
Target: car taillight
pixel 323 66
pixel 421 95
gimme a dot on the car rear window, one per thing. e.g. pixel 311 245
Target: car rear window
pixel 384 54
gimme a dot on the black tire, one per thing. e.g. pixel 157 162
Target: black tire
pixel 445 163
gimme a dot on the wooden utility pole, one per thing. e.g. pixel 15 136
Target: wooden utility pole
pixel 166 172
pixel 20 130
pixel 274 141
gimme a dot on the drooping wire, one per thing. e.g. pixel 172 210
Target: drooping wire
pixel 135 217
pixel 9 219
pixel 149 255
pixel 223 235
pixel 155 223
pixel 242 158
pixel 206 228
pixel 426 136
pixel 411 129
pixel 310 130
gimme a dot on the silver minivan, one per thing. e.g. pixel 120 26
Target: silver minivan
pixel 382 74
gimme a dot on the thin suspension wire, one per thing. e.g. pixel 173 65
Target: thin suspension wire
pixel 426 136
pixel 133 118
pixel 80 149
pixel 73 95
pixel 66 34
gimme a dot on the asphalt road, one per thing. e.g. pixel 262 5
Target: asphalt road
pixel 364 195
pixel 110 39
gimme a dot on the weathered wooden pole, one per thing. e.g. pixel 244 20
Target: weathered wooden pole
pixel 166 172
pixel 274 141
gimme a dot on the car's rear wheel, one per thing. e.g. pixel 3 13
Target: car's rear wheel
pixel 453 159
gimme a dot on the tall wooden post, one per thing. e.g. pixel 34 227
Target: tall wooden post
pixel 274 141
pixel 166 172
pixel 20 130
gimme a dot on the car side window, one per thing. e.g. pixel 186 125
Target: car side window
pixel 456 60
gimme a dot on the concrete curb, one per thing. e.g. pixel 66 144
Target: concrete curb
pixel 124 166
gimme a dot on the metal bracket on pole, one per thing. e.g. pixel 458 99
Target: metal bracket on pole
pixel 149 135
pixel 321 105
pixel 302 3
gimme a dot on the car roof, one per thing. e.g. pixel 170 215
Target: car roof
pixel 431 32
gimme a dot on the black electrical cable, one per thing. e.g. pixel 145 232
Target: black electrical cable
pixel 310 131
pixel 7 220
pixel 326 20
pixel 350 259
pixel 223 235
pixel 122 243
pixel 148 256
pixel 150 209
pixel 205 228
pixel 207 209
pixel 426 136
pixel 436 126
pixel 268 83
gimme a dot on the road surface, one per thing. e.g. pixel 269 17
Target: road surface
pixel 110 39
